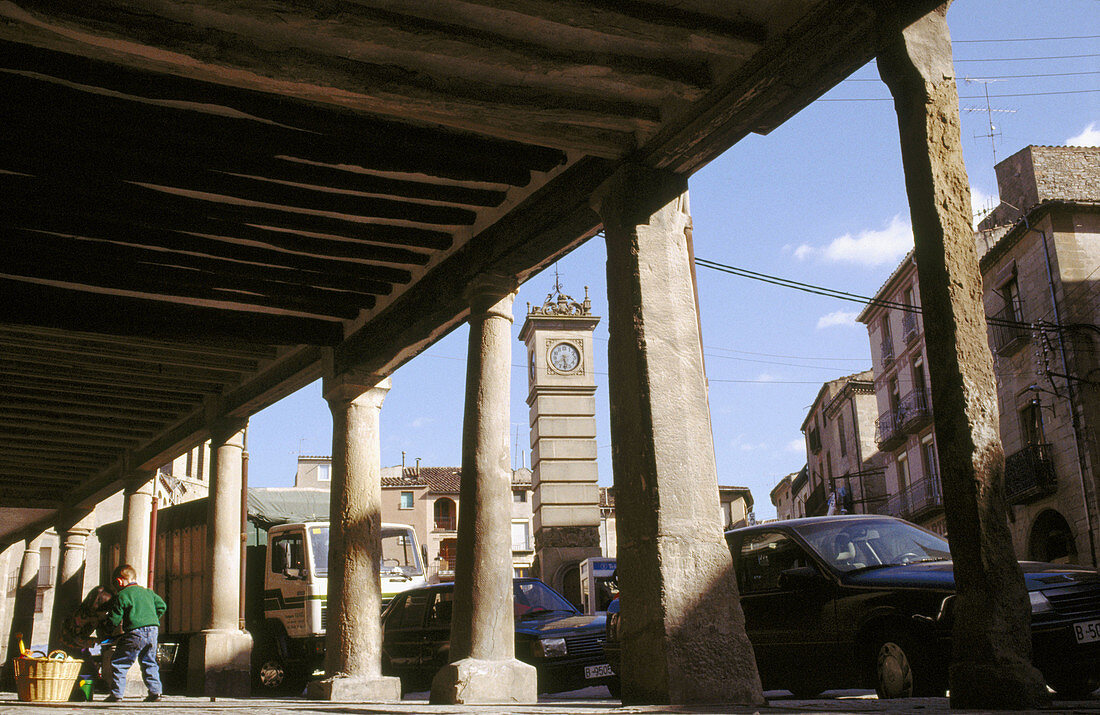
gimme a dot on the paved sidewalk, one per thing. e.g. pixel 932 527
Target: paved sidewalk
pixel 586 702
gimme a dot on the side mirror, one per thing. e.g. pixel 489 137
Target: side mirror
pixel 292 573
pixel 800 578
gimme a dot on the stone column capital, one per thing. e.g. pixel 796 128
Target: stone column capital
pixel 635 192
pixel 75 520
pixel 139 483
pixel 919 59
pixel 491 295
pixel 355 386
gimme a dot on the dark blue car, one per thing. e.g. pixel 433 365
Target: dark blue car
pixel 564 645
pixel 867 601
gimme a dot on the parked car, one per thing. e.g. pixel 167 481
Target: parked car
pixel 867 601
pixel 564 645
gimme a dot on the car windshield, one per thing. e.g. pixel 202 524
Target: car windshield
pixel 864 544
pixel 534 598
pixel 399 556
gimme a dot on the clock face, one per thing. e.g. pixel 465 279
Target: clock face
pixel 565 357
pixel 531 365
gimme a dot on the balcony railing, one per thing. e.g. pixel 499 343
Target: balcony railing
pixel 815 503
pixel 914 411
pixel 887 432
pixel 1029 474
pixel 1008 339
pixel 914 502
pixel 909 326
pixel 887 350
pixel 445 523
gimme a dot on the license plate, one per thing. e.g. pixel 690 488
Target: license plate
pixel 597 671
pixel 1087 631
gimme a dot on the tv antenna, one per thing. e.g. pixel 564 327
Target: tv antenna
pixel 994 132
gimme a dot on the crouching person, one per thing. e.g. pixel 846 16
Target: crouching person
pixel 138 611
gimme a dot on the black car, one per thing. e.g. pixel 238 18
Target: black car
pixel 866 601
pixel 564 645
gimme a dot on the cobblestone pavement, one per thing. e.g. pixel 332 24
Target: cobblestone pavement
pixel 593 701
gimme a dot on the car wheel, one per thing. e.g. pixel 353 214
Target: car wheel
pixel 1074 686
pixel 893 671
pixel 902 669
pixel 271 676
pixel 615 686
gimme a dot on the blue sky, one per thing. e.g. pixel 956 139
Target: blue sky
pixel 819 200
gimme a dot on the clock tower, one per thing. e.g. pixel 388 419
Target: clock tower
pixel 562 398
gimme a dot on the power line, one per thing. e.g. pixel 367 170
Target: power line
pixel 1028 39
pixel 1002 76
pixel 1025 59
pixel 992 96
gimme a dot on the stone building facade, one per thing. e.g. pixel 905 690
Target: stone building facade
pixel 843 473
pixel 781 497
pixel 904 428
pixel 1041 249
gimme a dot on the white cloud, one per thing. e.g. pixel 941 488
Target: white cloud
pixel 868 248
pixel 844 318
pixel 871 247
pixel 797 445
pixel 766 377
pixel 1089 136
pixel 421 422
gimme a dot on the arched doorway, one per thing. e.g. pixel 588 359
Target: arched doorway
pixel 571 584
pixel 1052 539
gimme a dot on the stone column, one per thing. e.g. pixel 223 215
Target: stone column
pixel 683 632
pixel 484 668
pixel 220 655
pixel 991 665
pixel 136 513
pixel 22 612
pixel 353 641
pixel 73 534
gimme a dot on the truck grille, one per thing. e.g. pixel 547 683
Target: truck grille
pixel 324 618
pixel 585 644
pixel 1075 601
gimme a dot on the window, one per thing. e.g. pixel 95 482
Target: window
pixel 763 557
pixel 1031 424
pixel 519 496
pixel 45 567
pixel 903 472
pixel 406 500
pixel 521 536
pixel 439 615
pixel 287 552
pixel 446 559
pixel 324 472
pixel 1010 294
pixel 841 437
pixel 928 452
pixel 410 613
pixel 444 509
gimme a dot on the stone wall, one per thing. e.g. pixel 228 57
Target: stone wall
pixel 1043 173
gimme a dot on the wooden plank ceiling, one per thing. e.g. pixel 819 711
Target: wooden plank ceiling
pixel 202 201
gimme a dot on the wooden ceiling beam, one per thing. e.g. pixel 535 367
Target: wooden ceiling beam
pixel 643 29
pixel 224 272
pixel 54 362
pixel 65 308
pixel 76 460
pixel 200 347
pixel 188 387
pixel 557 118
pixel 69 391
pixel 30 255
pixel 357 135
pixel 69 425
pixel 66 411
pixel 15 436
pixel 95 351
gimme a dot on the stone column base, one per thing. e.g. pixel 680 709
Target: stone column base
pixel 356 689
pixel 219 663
pixel 485 682
pixel 1002 686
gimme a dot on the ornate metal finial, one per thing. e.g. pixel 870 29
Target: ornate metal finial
pixel 558 303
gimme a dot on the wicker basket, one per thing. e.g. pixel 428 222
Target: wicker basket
pixel 50 679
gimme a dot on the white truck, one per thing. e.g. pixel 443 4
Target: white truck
pixel 286 581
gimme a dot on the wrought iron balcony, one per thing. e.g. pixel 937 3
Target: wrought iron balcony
pixel 1007 339
pixel 887 432
pixel 909 326
pixel 914 411
pixel 915 502
pixel 815 502
pixel 1029 474
pixel 887 350
pixel 446 523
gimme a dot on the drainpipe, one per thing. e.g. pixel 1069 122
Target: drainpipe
pixel 241 614
pixel 1081 470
